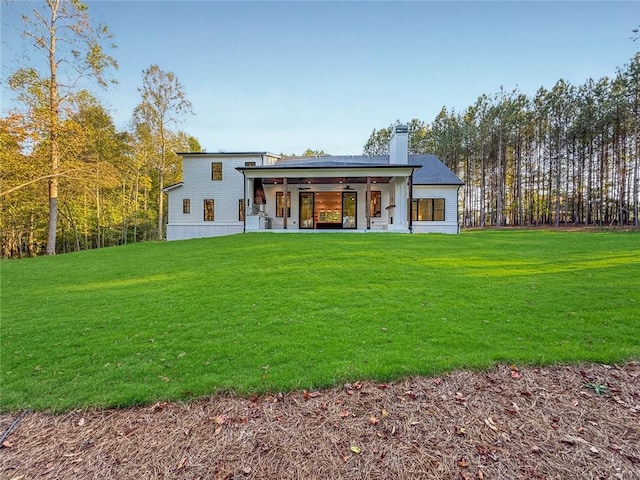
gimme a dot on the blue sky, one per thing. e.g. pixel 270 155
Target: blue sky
pixel 284 76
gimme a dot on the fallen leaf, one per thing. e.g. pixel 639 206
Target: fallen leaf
pixel 246 470
pixel 384 413
pixel 491 424
pixel 81 422
pixel 373 420
pixel 462 463
pixel 459 430
pixel 344 413
pixel 7 444
pixel 355 449
pixel 594 450
pixel 219 419
pixel 158 406
pixel 308 395
pixel 515 374
pixel 182 463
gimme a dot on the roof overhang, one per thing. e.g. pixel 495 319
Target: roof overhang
pixel 226 154
pixel 173 187
pixel 271 171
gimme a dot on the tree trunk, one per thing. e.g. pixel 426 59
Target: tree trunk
pixel 53 216
pixel 160 203
pixel 53 131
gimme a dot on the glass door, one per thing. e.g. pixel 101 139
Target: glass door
pixel 306 210
pixel 349 203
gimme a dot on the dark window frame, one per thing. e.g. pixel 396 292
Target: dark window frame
pixel 241 210
pixel 373 213
pixel 186 206
pixel 216 171
pixel 209 210
pixel 355 217
pixel 435 209
pixel 280 204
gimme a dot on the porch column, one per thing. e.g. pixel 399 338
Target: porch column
pixel 400 218
pixel 286 198
pixel 368 203
pixel 410 206
pixel 248 197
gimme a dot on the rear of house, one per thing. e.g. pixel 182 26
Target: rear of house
pixel 227 193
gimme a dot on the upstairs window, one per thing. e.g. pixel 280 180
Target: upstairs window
pixel 249 164
pixel 209 209
pixel 216 171
pixel 428 210
pixel 186 205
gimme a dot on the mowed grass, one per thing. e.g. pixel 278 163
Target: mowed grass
pixel 271 312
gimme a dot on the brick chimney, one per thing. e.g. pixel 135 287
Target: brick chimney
pixel 399 145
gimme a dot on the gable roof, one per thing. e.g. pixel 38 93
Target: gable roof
pixel 432 171
pixel 429 170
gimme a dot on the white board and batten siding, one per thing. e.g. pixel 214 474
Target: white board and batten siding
pixel 450 195
pixel 198 186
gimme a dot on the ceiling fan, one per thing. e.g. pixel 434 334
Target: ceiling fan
pixel 300 187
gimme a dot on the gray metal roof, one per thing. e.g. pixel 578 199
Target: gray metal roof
pixel 429 170
pixel 432 171
pixel 224 154
pixel 334 161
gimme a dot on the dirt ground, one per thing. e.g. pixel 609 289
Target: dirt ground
pixel 562 422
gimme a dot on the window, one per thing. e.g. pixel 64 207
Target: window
pixel 216 170
pixel 186 205
pixel 249 164
pixel 209 208
pixel 375 204
pixel 280 204
pixel 438 209
pixel 428 209
pixel 241 210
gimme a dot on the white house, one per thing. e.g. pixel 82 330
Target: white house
pixel 226 193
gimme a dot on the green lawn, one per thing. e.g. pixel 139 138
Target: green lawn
pixel 272 312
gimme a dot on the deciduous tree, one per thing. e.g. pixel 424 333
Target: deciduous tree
pixel 163 103
pixel 73 49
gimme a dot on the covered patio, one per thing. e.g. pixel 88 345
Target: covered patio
pixel 303 197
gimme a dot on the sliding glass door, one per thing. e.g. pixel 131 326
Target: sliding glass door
pixel 306 210
pixel 349 210
pixel 328 210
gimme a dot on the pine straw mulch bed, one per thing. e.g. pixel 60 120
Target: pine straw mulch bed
pixel 568 422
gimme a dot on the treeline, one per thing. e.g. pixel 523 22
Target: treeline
pixel 69 179
pixel 109 181
pixel 566 156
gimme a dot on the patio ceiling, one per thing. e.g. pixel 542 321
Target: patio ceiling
pixel 324 180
